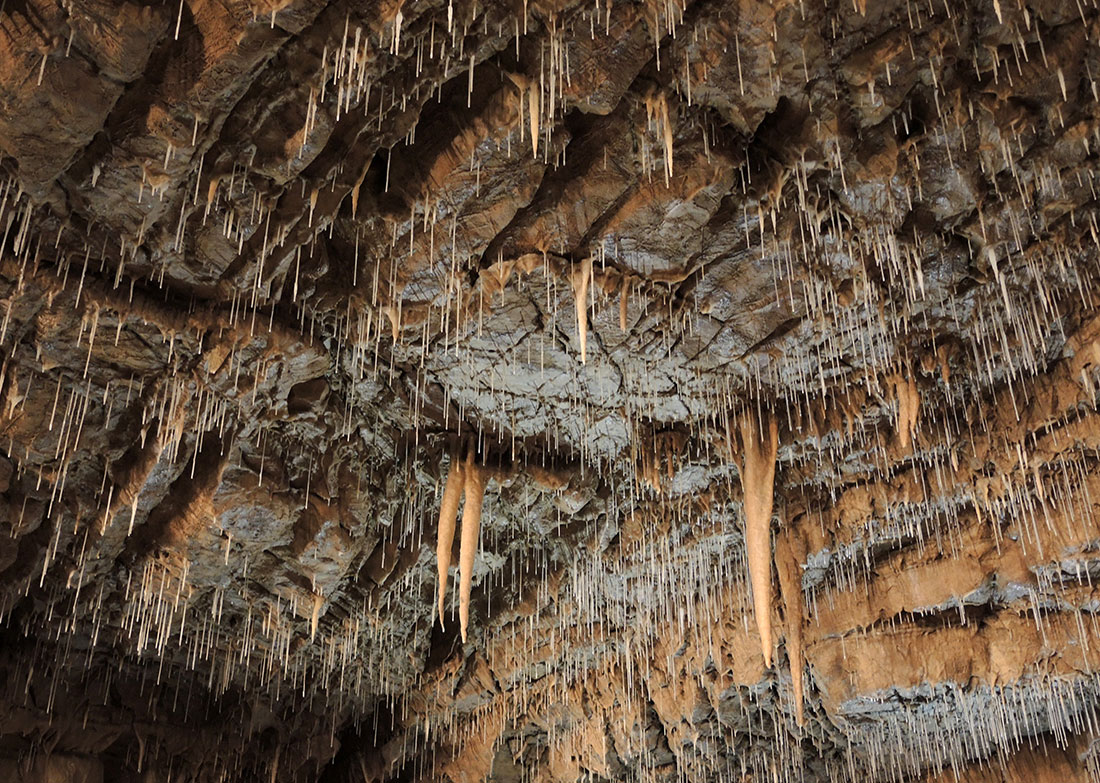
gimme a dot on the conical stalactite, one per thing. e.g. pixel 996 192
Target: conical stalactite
pixel 790 554
pixel 579 278
pixel 908 401
pixel 759 446
pixel 475 477
pixel 448 514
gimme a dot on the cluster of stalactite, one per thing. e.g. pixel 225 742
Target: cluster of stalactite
pixel 813 501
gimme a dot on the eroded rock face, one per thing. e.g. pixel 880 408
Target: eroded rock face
pixel 270 270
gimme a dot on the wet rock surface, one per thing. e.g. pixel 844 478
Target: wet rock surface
pixel 270 270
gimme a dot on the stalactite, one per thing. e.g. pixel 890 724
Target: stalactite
pixel 533 114
pixel 579 277
pixel 909 401
pixel 624 293
pixel 475 479
pixel 790 553
pixel 314 615
pixel 393 313
pixel 448 512
pixel 757 481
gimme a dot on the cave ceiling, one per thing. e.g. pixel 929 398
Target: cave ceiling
pixel 736 362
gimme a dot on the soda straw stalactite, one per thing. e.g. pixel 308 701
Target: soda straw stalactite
pixel 579 277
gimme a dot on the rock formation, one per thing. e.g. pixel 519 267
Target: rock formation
pixel 270 270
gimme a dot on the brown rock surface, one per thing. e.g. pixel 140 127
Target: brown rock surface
pixel 267 267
